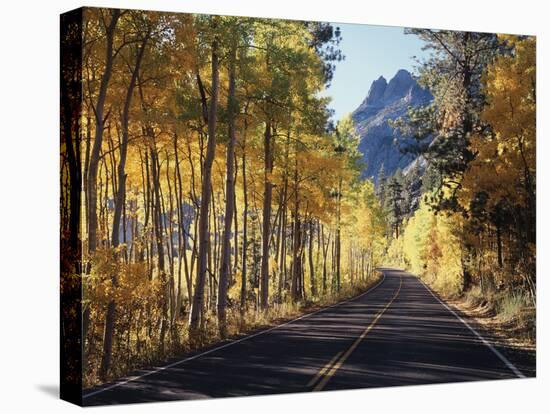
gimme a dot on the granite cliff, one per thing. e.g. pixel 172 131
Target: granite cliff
pixel 380 142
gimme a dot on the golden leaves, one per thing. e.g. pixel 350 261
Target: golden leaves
pixel 507 156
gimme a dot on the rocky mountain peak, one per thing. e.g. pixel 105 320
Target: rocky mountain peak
pixel 399 86
pixel 376 91
pixel 386 101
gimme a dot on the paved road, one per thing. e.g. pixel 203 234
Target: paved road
pixel 398 333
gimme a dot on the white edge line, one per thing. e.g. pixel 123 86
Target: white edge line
pixel 511 366
pixel 134 378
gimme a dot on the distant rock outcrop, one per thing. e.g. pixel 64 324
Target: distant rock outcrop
pixel 385 101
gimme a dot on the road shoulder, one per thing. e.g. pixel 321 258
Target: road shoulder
pixel 305 312
pixel 520 353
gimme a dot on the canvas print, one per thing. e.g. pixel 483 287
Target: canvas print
pixel 256 206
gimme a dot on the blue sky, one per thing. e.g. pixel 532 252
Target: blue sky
pixel 370 51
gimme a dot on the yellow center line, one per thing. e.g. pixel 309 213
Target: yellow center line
pixel 325 369
pixel 345 356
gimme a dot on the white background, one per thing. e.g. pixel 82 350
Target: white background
pixel 29 251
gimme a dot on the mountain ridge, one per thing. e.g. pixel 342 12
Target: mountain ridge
pixel 387 101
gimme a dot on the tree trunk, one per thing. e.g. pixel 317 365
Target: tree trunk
pixel 120 195
pixel 325 255
pixel 499 246
pixel 313 286
pixel 338 239
pixel 159 232
pixel 198 298
pixel 266 226
pixel 296 288
pixel 229 201
pixel 96 149
pixel 245 226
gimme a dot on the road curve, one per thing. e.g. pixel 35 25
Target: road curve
pixel 398 333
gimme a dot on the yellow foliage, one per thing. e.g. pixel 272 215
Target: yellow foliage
pixel 505 164
pixel 430 248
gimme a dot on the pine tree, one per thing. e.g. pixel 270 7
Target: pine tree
pixel 381 184
pixel 453 74
pixel 395 202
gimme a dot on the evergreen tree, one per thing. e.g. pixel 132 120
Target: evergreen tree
pixel 453 74
pixel 430 180
pixel 381 184
pixel 395 201
pixel 412 189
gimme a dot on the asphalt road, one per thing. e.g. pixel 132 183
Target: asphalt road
pixel 398 333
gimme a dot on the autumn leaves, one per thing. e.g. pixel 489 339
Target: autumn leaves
pixel 215 195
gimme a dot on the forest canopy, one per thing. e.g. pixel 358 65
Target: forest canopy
pixel 216 194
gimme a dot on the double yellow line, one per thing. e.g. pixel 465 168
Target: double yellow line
pixel 326 373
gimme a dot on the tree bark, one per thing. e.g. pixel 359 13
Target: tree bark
pixel 296 286
pixel 98 138
pixel 245 231
pixel 121 192
pixel 266 225
pixel 203 242
pixel 325 256
pixel 313 286
pixel 159 235
pixel 229 201
pixel 338 236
